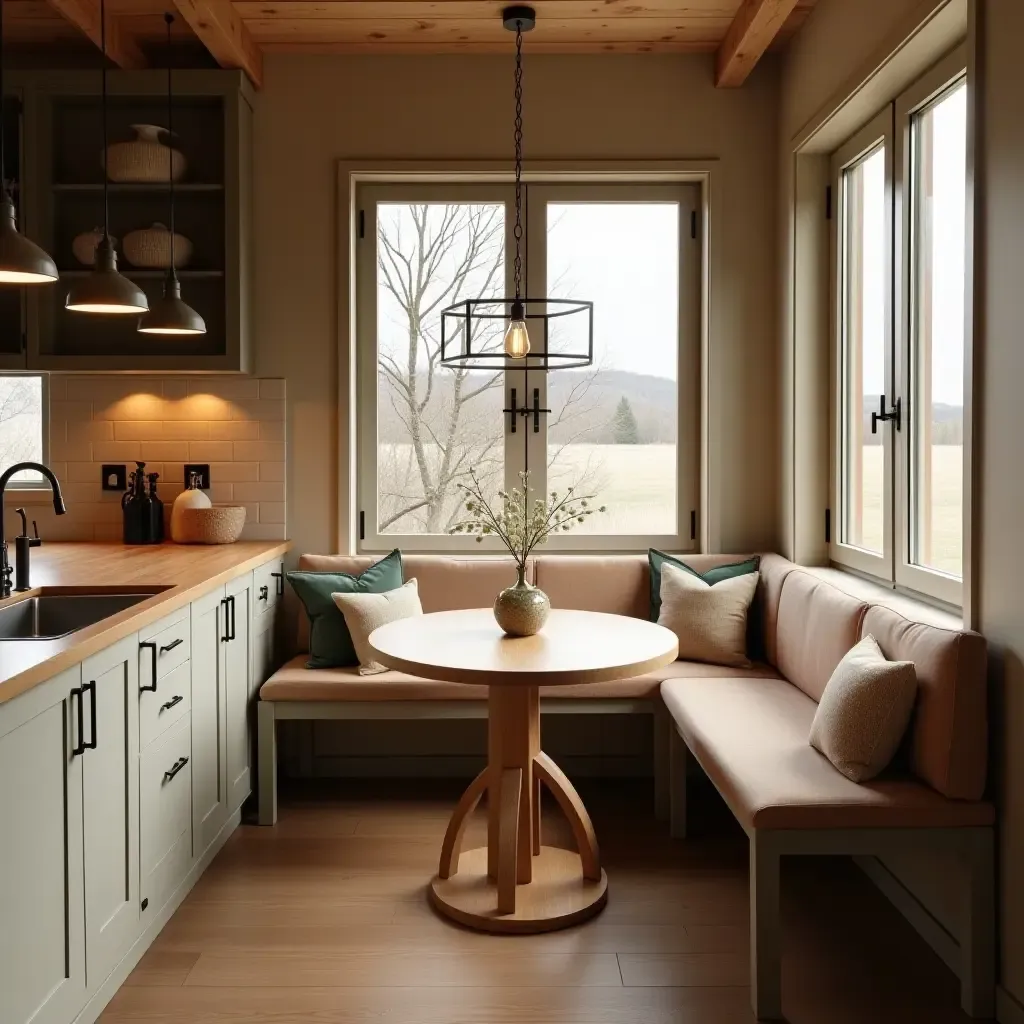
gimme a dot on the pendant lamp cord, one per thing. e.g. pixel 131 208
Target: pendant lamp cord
pixel 3 110
pixel 517 231
pixel 169 18
pixel 103 100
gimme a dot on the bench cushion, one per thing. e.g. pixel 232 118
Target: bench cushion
pixel 750 736
pixel 295 682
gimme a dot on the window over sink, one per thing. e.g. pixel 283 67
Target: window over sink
pixel 22 424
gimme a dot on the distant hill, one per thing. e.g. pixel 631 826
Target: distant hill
pixel 594 398
pixel 947 423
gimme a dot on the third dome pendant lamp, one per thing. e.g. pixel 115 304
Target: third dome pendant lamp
pixel 105 290
pixel 21 260
pixel 169 314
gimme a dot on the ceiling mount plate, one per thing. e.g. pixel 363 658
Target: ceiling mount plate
pixel 521 18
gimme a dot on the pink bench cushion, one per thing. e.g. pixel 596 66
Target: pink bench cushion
pixel 750 736
pixel 295 682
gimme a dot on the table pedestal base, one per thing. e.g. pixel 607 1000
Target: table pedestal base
pixel 515 884
pixel 557 897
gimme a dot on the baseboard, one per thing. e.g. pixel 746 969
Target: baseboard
pixel 920 918
pixel 1008 1009
pixel 117 977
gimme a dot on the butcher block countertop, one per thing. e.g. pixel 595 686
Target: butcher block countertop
pixel 188 571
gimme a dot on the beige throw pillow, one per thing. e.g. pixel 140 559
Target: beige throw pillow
pixel 709 621
pixel 365 612
pixel 864 711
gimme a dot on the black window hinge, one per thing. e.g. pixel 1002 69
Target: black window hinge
pixel 693 223
pixel 362 223
pixel 828 526
pixel 362 525
pixel 828 202
pixel 693 524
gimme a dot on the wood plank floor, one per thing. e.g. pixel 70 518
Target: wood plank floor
pixel 324 920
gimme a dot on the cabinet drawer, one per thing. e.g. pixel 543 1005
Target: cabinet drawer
pixel 267 588
pixel 164 648
pixel 161 708
pixel 165 813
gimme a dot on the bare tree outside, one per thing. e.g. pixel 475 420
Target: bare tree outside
pixel 21 422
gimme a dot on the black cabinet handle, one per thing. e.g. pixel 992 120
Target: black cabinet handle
pixel 91 687
pixel 227 622
pixel 279 576
pixel 79 747
pixel 234 633
pixel 152 650
pixel 176 699
pixel 175 768
pixel 264 594
pixel 172 645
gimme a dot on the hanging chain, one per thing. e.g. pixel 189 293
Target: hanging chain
pixel 169 18
pixel 517 231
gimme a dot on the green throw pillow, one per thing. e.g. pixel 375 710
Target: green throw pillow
pixel 721 572
pixel 330 645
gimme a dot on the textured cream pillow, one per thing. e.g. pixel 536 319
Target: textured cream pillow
pixel 864 711
pixel 710 621
pixel 365 612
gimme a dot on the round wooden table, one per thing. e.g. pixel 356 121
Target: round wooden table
pixel 515 884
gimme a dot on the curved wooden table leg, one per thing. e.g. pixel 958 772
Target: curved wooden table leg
pixel 452 845
pixel 572 807
pixel 508 838
pixel 536 816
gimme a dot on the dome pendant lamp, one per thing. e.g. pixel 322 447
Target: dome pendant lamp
pixel 21 260
pixel 105 290
pixel 169 314
pixel 468 328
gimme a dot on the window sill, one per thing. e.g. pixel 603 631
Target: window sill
pixel 901 599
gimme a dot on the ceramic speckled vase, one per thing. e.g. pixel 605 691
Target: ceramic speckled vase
pixel 522 609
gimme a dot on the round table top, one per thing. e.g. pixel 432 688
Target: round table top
pixel 573 647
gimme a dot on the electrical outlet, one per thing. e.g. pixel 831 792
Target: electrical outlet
pixel 202 469
pixel 114 478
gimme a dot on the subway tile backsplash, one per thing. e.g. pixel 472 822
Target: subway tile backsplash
pixel 236 424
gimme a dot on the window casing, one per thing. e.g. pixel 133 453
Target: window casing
pixel 625 429
pixel 23 420
pixel 899 325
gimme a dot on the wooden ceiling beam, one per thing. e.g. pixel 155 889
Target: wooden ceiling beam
pixel 122 49
pixel 223 33
pixel 755 25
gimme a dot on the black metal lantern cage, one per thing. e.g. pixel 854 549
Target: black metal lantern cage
pixel 465 322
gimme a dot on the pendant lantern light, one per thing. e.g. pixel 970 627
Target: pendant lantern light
pixel 169 314
pixel 105 290
pixel 526 322
pixel 21 260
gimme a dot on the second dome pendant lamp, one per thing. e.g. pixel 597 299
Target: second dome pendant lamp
pixel 105 291
pixel 169 314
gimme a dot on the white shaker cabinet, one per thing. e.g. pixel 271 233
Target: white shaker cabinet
pixel 110 802
pixel 209 719
pixel 42 899
pixel 237 658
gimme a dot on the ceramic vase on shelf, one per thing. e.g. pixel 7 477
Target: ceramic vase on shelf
pixel 522 609
pixel 146 159
pixel 151 248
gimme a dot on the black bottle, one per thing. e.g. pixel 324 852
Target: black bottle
pixel 156 511
pixel 136 509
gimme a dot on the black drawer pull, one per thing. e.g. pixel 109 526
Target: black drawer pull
pixel 79 747
pixel 90 687
pixel 279 576
pixel 176 699
pixel 175 768
pixel 172 645
pixel 152 650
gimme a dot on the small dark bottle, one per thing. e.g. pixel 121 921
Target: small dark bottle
pixel 156 511
pixel 135 509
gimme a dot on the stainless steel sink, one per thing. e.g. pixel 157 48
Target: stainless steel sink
pixel 50 616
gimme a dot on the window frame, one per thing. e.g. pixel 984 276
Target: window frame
pixel 894 125
pixel 34 491
pixel 944 76
pixel 687 192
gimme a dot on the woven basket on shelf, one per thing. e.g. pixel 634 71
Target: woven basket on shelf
pixel 145 159
pixel 151 247
pixel 84 246
pixel 220 524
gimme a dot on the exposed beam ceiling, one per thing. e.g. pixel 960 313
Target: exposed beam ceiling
pixel 224 34
pixel 85 15
pixel 752 31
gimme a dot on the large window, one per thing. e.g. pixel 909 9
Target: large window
pixel 899 262
pixel 623 429
pixel 21 424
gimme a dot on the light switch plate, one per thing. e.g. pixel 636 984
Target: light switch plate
pixel 114 478
pixel 203 469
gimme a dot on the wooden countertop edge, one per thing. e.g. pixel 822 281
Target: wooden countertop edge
pixel 95 638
